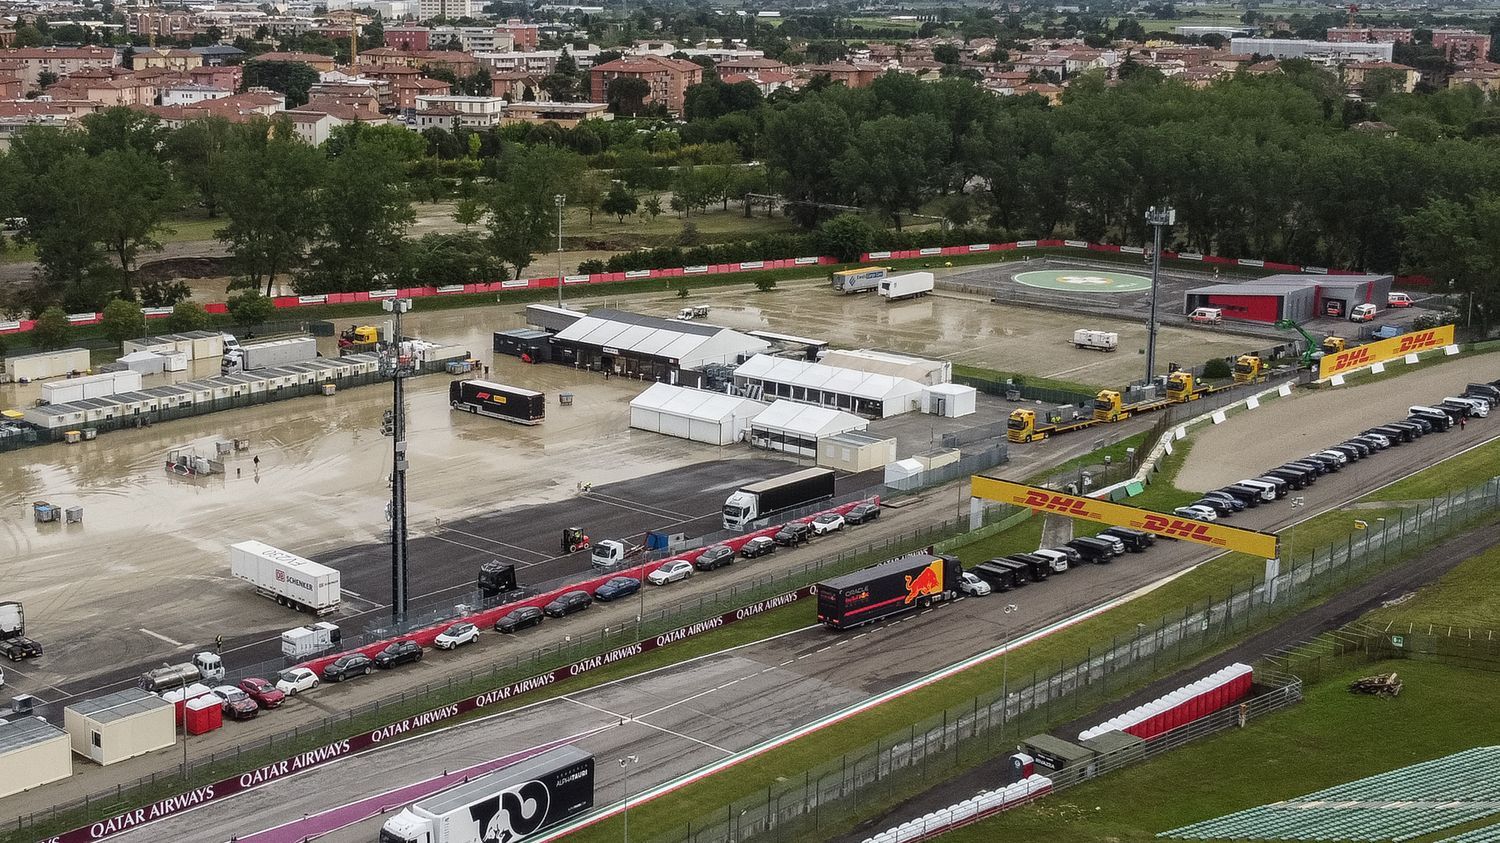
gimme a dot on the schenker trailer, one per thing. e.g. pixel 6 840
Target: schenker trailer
pixel 496 400
pixel 509 804
pixel 890 588
pixel 768 497
pixel 286 577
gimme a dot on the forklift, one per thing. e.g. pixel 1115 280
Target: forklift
pixel 573 540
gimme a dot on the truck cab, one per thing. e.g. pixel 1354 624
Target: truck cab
pixel 1021 426
pixel 739 510
pixel 1247 368
pixel 406 827
pixel 1108 406
pixel 609 553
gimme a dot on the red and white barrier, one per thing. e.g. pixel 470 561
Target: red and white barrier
pixel 985 804
pixel 1220 689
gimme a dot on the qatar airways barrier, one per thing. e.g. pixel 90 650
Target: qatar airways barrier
pixel 224 788
pixel 1118 515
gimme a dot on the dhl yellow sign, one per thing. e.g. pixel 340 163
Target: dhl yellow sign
pixel 1119 515
pixel 1383 350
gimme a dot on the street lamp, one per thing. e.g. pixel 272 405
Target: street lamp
pixel 559 199
pixel 625 764
pixel 1157 218
pixel 396 429
pixel 1010 608
pixel 183 714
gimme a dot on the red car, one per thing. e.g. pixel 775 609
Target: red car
pixel 264 693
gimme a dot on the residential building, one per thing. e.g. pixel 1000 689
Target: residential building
pixel 1354 74
pixel 58 61
pixel 99 86
pixel 473 112
pixel 7 36
pixel 190 93
pixel 166 59
pixel 215 55
pixel 515 86
pixel 1322 52
pixel 524 36
pixel 460 64
pixel 236 108
pixel 288 27
pixel 367 96
pixel 667 79
pixel 314 125
pixel 1461 44
pixel 11 87
pixel 16 115
pixel 450 9
pixel 564 114
pixel 767 81
pixel 227 77
pixel 1483 75
pixel 470 39
pixel 406 91
pixel 162 24
pixel 538 62
pixel 320 63
pixel 848 74
pixel 1364 34
pixel 750 66
pixel 408 38
pixel 1047 91
pixel 435 118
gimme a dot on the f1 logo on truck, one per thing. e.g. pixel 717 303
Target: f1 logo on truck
pixel 1061 504
pixel 1180 528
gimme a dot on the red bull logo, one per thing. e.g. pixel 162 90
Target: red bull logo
pixel 1179 528
pixel 1417 341
pixel 1062 504
pixel 929 582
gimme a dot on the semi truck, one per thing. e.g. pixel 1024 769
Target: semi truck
pixel 14 644
pixel 861 280
pixel 262 355
pixel 287 578
pixel 510 804
pixel 205 667
pixel 908 286
pixel 496 400
pixel 890 588
pixel 768 497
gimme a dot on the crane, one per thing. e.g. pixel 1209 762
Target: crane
pixel 1315 349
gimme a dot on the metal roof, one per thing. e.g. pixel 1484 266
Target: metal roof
pixel 869 385
pixel 28 731
pixel 494 782
pixel 655 322
pixel 806 419
pixel 649 335
pixel 119 706
pixel 1277 285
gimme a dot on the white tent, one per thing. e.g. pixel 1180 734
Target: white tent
pixel 865 393
pixel 926 372
pixel 796 428
pixel 695 414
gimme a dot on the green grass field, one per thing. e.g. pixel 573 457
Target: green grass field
pixel 1437 481
pixel 1468 597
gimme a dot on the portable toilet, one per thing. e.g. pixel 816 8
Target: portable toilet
pixel 204 714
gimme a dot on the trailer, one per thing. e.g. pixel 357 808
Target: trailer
pixel 510 804
pixel 768 497
pixel 890 588
pixel 861 280
pixel 1096 340
pixel 496 400
pixel 908 286
pixel 263 355
pixel 47 364
pixel 287 578
pixel 310 640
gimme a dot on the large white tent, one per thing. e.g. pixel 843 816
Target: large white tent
pixel 796 428
pixel 695 414
pixel 863 393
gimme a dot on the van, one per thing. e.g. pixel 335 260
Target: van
pixel 1058 561
pixel 1484 390
pixel 1114 543
pixel 1000 577
pixel 1397 300
pixel 1396 435
pixel 1328 461
pixel 1349 450
pixel 1417 431
pixel 1296 478
pixel 1036 567
pixel 1135 541
pixel 1422 424
pixel 1267 490
pixel 1251 496
pixel 1437 418
pixel 1207 316
pixel 1279 484
pixel 1479 406
pixel 1074 557
pixel 1317 468
pixel 1093 550
pixel 1453 413
pixel 1362 313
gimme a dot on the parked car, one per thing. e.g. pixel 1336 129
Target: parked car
pixel 1397 300
pixel 972 585
pixel 828 522
pixel 295 680
pixel 617 587
pixel 348 667
pixel 1198 513
pixel 1224 497
pixel 1135 541
pixel 1093 550
pixel 714 557
pixel 1074 557
pixel 1207 316
pixel 757 547
pixel 456 635
pixel 677 569
pixel 861 513
pixel 265 694
pixel 793 534
pixel 399 652
pixel 1220 508
pixel 519 619
pixel 1059 561
pixel 237 704
pixel 568 603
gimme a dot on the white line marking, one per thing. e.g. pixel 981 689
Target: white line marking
pixel 160 637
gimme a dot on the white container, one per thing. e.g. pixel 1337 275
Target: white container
pixel 1096 340
pixel 91 386
pixel 286 577
pixel 305 641
pixel 274 353
pixel 48 364
pixel 908 286
pixel 950 400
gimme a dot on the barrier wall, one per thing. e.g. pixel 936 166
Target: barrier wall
pixel 1218 690
pixel 985 804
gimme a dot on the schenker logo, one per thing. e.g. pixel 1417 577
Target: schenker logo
pixel 1180 528
pixel 283 576
pixel 1065 504
pixel 1420 340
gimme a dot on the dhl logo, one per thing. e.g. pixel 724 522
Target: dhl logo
pixel 1417 341
pixel 1063 504
pixel 1353 357
pixel 1181 528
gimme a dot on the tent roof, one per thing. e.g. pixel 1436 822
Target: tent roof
pixel 868 385
pixel 806 419
pixel 693 403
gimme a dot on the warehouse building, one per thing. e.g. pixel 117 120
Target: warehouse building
pixel 862 393
pixel 794 428
pixel 696 414
pixel 122 725
pixel 925 372
pixel 1300 298
pixel 33 752
pixel 649 347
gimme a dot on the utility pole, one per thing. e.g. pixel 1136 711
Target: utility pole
pixel 1157 218
pixel 395 427
pixel 625 764
pixel 559 199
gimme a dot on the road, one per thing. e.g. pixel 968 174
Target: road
pixel 683 717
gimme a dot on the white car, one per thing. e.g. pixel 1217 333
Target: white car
pixel 828 522
pixel 972 585
pixel 294 680
pixel 1198 513
pixel 680 569
pixel 453 636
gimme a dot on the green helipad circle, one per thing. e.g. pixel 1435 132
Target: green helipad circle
pixel 1084 280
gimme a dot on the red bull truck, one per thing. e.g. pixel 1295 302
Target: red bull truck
pixel 890 588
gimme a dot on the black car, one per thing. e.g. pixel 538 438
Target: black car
pixel 567 604
pixel 1234 503
pixel 399 652
pixel 793 534
pixel 1414 430
pixel 616 588
pixel 1221 508
pixel 348 667
pixel 862 512
pixel 715 557
pixel 1364 448
pixel 1135 541
pixel 758 546
pixel 19 648
pixel 1244 494
pixel 519 619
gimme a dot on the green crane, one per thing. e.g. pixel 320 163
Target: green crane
pixel 1307 353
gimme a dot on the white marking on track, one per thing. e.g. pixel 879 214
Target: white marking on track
pixel 160 637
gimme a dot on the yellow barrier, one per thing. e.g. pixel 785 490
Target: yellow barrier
pixel 1383 350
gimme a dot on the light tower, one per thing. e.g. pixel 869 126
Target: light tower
pixel 396 366
pixel 1157 218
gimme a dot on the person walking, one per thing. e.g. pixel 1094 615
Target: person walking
pixel 1462 422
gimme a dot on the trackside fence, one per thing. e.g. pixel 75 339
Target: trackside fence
pixel 832 797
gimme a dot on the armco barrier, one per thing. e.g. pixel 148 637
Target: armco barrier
pixel 227 787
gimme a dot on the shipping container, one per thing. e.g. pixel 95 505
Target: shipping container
pixel 497 400
pixel 48 364
pixel 262 355
pixel 1096 340
pixel 309 640
pixel 889 588
pixel 90 386
pixel 286 577
pixel 529 342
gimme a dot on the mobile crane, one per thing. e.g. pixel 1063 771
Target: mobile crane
pixel 1314 349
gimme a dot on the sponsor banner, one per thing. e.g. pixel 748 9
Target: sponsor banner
pixel 10 326
pixel 693 270
pixel 752 264
pixel 575 279
pixel 1250 262
pixel 1119 515
pixel 929 251
pixel 1315 270
pixel 312 299
pixel 381 294
pixel 82 318
pixel 1025 244
pixel 452 288
pixel 638 273
pixel 1382 350
pixel 1133 250
pixel 516 282
pixel 156 311
pixel 879 255
pixel 979 247
pixel 225 788
pixel 1189 256
pixel 805 261
pixel 1077 244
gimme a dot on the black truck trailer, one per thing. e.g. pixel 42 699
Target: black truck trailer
pixel 497 400
pixel 890 588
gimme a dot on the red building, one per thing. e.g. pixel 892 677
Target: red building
pixel 667 79
pixel 1461 44
pixel 526 35
pixel 409 38
pixel 225 77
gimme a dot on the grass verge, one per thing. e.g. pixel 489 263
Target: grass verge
pixel 1466 597
pixel 1436 481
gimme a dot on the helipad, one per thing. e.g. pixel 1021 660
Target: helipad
pixel 1084 280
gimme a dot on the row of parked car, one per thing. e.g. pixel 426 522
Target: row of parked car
pixel 1477 400
pixel 1016 570
pixel 353 665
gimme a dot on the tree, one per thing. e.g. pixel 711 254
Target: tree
pixel 249 308
pixel 620 202
pixel 119 128
pixel 590 193
pixel 652 207
pixel 522 211
pixel 292 78
pixel 45 80
pixel 197 150
pixel 122 320
pixel 1454 243
pixel 765 283
pixel 846 237
pixel 131 196
pixel 945 53
pixel 51 329
pixel 627 94
pixel 268 195
pixel 362 212
pixel 468 212
pixel 802 142
pixel 187 316
pixel 893 163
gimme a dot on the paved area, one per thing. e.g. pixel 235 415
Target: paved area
pixel 1083 281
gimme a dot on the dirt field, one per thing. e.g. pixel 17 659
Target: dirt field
pixel 1310 420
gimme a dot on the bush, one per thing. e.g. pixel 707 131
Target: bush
pixel 187 316
pixel 123 320
pixel 1218 367
pixel 51 330
pixel 765 284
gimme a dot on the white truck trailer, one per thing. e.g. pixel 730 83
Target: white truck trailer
pixel 908 286
pixel 263 355
pixel 287 578
pixel 510 804
pixel 861 280
pixel 1096 340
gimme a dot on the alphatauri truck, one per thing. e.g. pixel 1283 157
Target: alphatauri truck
pixel 510 804
pixel 757 500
